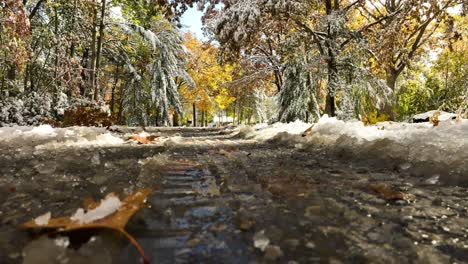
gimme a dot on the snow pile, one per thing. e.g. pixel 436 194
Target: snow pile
pixel 425 117
pixel 41 131
pixel 263 132
pixel 45 136
pixel 419 148
pixel 107 207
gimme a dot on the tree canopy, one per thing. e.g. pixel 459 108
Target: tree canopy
pixel 264 60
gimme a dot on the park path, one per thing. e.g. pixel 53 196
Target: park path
pixel 223 199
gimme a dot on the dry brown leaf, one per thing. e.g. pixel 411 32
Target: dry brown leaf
pixel 365 120
pixel 218 228
pixel 307 131
pixel 435 118
pixel 144 140
pixel 387 193
pixel 115 221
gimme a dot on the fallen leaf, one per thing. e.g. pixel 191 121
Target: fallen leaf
pixel 193 242
pixel 387 193
pixel 246 224
pixel 144 140
pixel 435 118
pixel 307 131
pixel 104 215
pixel 218 228
pixel 365 120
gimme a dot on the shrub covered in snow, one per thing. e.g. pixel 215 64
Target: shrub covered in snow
pixel 30 109
pixel 37 108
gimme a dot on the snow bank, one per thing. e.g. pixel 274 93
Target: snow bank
pixel 421 148
pixel 45 136
pixel 424 117
pixel 264 132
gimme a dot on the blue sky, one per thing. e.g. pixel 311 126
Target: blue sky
pixel 191 20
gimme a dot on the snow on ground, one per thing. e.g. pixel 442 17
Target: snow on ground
pixel 263 132
pixel 107 207
pixel 422 148
pixel 419 148
pixel 45 136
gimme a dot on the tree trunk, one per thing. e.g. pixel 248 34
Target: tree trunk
pixel 332 85
pixel 391 80
pixel 333 77
pixel 11 74
pixel 84 73
pixel 120 113
pixel 92 62
pixel 72 45
pixel 26 76
pixel 194 117
pixel 56 61
pixel 392 76
pixel 97 91
pixel 116 80
pixel 203 118
pixel 175 119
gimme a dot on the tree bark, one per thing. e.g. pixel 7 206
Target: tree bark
pixel 333 77
pixel 175 119
pixel 56 61
pixel 84 73
pixel 97 91
pixel 332 84
pixel 119 114
pixel 203 118
pixel 392 76
pixel 92 62
pixel 194 117
pixel 35 9
pixel 72 45
pixel 116 80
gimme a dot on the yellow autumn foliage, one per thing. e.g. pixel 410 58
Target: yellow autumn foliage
pixel 210 77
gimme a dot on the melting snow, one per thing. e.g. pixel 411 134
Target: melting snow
pixel 41 131
pixel 443 147
pixel 264 132
pixel 43 219
pixel 46 136
pixel 107 207
pixel 261 241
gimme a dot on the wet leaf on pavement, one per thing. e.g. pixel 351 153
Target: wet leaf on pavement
pixel 387 193
pixel 144 140
pixel 109 213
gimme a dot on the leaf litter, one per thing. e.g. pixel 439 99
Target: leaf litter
pixel 143 138
pixel 110 213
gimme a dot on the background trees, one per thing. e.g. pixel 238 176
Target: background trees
pixel 355 44
pixel 266 60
